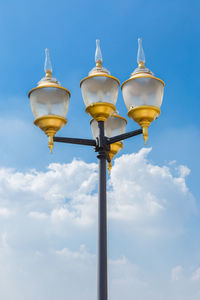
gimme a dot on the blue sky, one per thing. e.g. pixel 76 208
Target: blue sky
pixel 170 31
pixel 170 37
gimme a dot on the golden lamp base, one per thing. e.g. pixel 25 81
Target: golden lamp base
pixel 144 115
pixel 114 149
pixel 100 111
pixel 50 124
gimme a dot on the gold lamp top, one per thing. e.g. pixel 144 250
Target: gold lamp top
pixel 142 70
pixel 48 80
pixel 141 60
pixel 99 70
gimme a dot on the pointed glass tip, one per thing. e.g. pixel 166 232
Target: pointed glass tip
pixel 98 55
pixel 47 64
pixel 140 54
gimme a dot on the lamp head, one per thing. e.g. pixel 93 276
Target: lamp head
pixel 114 125
pixel 143 94
pixel 99 89
pixel 49 102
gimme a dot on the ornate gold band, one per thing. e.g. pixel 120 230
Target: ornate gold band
pixel 99 75
pixel 49 85
pixel 148 76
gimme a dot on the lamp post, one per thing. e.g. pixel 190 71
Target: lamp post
pixel 142 93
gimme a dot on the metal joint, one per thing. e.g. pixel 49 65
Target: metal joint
pixel 102 154
pixel 102 148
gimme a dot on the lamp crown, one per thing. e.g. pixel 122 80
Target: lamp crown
pixel 48 79
pixel 141 69
pixel 140 54
pixel 47 64
pixel 98 54
pixel 98 69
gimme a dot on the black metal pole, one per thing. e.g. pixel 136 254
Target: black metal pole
pixel 76 141
pixel 102 220
pixel 101 146
pixel 123 136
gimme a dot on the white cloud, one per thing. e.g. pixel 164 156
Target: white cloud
pixel 183 171
pixel 196 275
pixel 82 254
pixel 4 243
pixel 176 273
pixel 38 215
pixel 49 223
pixel 5 212
pixel 149 196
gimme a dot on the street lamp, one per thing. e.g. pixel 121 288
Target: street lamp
pixel 142 93
pixel 114 125
pixel 49 102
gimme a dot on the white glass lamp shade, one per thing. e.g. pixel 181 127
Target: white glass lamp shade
pixel 114 125
pixel 143 94
pixel 139 91
pixel 99 88
pixel 49 101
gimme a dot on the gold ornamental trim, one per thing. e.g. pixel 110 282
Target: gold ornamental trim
pixel 118 116
pixel 144 115
pixel 114 149
pixel 50 124
pixel 47 121
pixel 142 112
pixel 99 75
pixel 49 85
pixel 100 111
pixel 113 115
pixel 148 76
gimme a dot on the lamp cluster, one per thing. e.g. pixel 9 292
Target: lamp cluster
pixel 142 93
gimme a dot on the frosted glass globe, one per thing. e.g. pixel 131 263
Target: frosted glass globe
pixel 99 89
pixel 114 125
pixel 49 101
pixel 143 91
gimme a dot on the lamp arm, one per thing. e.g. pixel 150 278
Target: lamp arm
pixel 77 141
pixel 89 142
pixel 123 136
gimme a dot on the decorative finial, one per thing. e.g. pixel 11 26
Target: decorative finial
pixel 140 55
pixel 98 69
pixel 50 142
pixel 109 167
pixel 141 62
pixel 47 64
pixel 145 133
pixel 98 55
pixel 145 125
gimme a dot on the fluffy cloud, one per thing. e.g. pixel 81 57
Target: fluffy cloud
pixel 49 223
pixel 176 273
pixel 148 196
pixel 5 213
pixel 196 275
pixel 139 192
